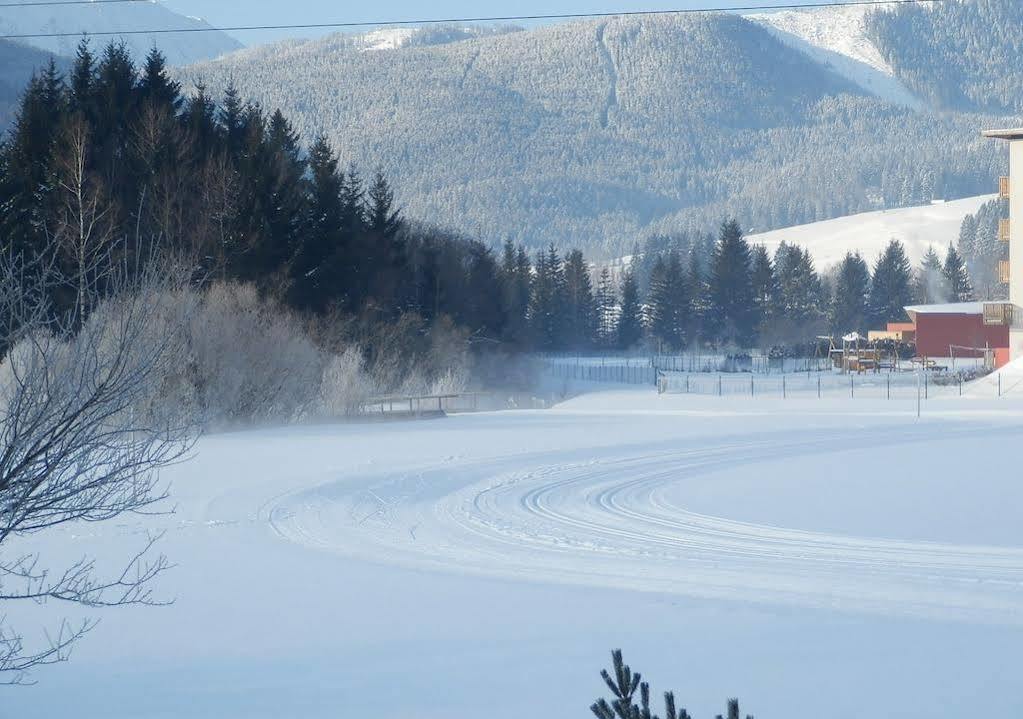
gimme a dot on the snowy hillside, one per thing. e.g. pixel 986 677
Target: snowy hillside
pixel 180 48
pixel 868 233
pixel 837 37
pixel 598 134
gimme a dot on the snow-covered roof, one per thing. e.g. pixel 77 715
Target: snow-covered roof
pixel 949 308
pixel 1008 134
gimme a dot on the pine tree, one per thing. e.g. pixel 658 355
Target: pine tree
pixel 765 285
pixel 630 324
pixel 156 88
pixel 957 279
pixel 850 310
pixel 731 288
pixel 699 289
pixel 82 91
pixel 547 303
pixel 669 303
pixel 890 289
pixel 515 278
pixel 606 310
pixel 317 269
pixel 580 316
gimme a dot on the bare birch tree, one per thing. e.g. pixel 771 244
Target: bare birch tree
pixel 81 440
pixel 84 229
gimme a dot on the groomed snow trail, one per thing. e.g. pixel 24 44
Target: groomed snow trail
pixel 616 516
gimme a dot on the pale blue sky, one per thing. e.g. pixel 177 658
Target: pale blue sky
pixel 269 12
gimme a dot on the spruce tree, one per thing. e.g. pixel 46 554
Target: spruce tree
pixel 850 310
pixel 606 310
pixel 317 269
pixel 580 316
pixel 957 279
pixel 547 304
pixel 669 303
pixel 765 286
pixel 515 278
pixel 630 323
pixel 890 288
pixel 156 88
pixel 731 288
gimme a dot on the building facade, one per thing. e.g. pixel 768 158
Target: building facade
pixel 1012 232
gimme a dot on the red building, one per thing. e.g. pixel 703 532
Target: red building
pixel 959 325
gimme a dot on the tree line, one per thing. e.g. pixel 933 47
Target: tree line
pixel 112 157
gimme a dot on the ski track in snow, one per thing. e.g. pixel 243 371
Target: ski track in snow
pixel 615 518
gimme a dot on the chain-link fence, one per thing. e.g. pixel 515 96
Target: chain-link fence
pixel 888 385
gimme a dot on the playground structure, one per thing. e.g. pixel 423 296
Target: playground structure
pixel 858 355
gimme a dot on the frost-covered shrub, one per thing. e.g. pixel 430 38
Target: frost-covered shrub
pixel 345 385
pixel 253 360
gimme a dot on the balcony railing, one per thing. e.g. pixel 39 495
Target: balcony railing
pixel 997 313
pixel 1003 271
pixel 1003 187
pixel 1004 228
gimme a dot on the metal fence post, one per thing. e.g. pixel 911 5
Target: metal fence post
pixel 889 383
pixel 720 388
pixel 852 386
pixel 751 385
pixel 818 387
pixel 927 391
pixel 784 389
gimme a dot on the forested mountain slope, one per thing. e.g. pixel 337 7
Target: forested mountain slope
pixel 955 54
pixel 597 134
pixel 178 48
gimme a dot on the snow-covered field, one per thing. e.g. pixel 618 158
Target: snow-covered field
pixel 870 232
pixel 810 556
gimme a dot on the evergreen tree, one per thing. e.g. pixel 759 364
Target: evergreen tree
pixel 317 270
pixel 606 311
pixel 850 310
pixel 547 303
pixel 957 279
pixel 580 316
pixel 82 91
pixel 26 186
pixel 669 303
pixel 699 289
pixel 515 279
pixel 386 259
pixel 929 284
pixel 765 285
pixel 630 324
pixel 890 288
pixel 731 288
pixel 156 88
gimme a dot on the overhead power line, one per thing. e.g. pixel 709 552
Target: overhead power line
pixel 44 3
pixel 448 21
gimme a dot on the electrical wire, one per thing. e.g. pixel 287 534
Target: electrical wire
pixel 450 21
pixel 46 3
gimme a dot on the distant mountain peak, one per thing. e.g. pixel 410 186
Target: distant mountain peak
pixel 179 48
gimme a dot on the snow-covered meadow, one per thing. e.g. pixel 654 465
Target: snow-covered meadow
pixel 811 556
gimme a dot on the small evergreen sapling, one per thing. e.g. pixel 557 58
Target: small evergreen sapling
pixel 624 683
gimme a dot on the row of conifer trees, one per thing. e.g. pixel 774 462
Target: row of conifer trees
pixel 112 158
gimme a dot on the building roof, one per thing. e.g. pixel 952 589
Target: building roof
pixel 1008 134
pixel 950 308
